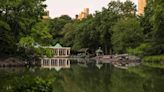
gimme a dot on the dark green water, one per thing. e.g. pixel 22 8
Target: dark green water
pixel 89 78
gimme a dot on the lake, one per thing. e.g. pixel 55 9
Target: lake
pixel 87 76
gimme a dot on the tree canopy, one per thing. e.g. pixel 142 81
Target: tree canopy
pixel 116 29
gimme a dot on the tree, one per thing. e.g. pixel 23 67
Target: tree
pixel 127 33
pixel 40 33
pixel 56 26
pixel 145 21
pixel 68 33
pixel 36 84
pixel 85 35
pixel 158 29
pixel 19 16
pixel 108 17
pixel 152 22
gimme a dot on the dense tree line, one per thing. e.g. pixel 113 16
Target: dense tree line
pixel 117 28
pixel 96 30
pixel 17 18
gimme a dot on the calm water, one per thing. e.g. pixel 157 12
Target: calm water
pixel 89 77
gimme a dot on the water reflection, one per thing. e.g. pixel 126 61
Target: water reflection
pixel 84 75
pixel 56 63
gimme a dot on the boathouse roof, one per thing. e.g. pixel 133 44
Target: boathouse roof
pixel 57 46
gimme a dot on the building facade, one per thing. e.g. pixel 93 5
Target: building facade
pixel 83 14
pixel 59 59
pixel 141 6
pixel 59 51
pixel 46 16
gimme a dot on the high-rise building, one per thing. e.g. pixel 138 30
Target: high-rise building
pixel 46 16
pixel 141 6
pixel 83 14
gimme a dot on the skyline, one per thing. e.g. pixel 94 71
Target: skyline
pixel 73 7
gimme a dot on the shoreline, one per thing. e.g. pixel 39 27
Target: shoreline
pixel 12 62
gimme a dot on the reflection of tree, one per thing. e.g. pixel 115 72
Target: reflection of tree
pixel 123 81
pixel 91 79
pixel 152 78
pixel 7 76
pixel 80 79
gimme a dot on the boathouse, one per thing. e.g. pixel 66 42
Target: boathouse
pixel 58 51
pixel 59 59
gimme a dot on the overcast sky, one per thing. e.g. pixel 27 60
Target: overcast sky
pixel 73 7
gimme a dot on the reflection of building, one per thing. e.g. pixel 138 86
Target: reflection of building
pixel 141 6
pixel 46 16
pixel 59 60
pixel 99 52
pixel 99 65
pixel 56 63
pixel 83 14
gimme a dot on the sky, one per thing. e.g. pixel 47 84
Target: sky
pixel 73 7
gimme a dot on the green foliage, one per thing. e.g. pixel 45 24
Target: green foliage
pixel 152 23
pixel 40 32
pixel 56 26
pixel 140 50
pixel 94 31
pixel 127 33
pixel 39 52
pixel 85 35
pixel 26 49
pixel 17 17
pixel 145 21
pixel 154 65
pixel 158 29
pixel 48 52
pixel 69 32
pixel 33 85
pixel 115 28
pixel 89 79
pixel 26 42
pixel 154 59
pixel 6 38
pixel 4 26
pixel 106 19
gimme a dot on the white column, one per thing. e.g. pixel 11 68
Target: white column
pixel 65 52
pixel 54 52
pixel 62 53
pixel 41 62
pixel 49 62
pixel 57 62
pixel 57 52
pixel 69 51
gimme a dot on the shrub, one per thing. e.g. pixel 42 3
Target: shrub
pixel 33 85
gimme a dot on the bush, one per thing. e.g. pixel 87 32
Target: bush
pixel 33 85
